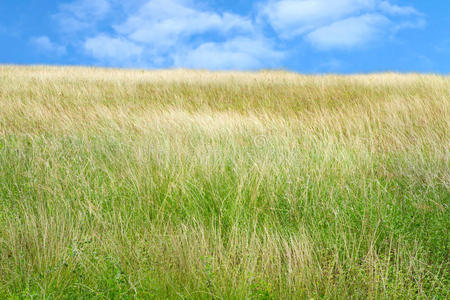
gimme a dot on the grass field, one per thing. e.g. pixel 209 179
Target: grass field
pixel 201 185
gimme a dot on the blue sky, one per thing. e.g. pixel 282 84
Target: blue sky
pixel 307 36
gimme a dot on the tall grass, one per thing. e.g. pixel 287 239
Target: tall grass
pixel 192 184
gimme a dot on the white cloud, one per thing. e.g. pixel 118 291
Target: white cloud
pixel 112 50
pixel 166 22
pixel 164 33
pixel 295 17
pixel 392 9
pixel 343 24
pixel 413 24
pixel 184 33
pixel 84 9
pixel 81 14
pixel 44 44
pixel 349 33
pixel 239 53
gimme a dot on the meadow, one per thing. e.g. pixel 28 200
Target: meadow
pixel 118 184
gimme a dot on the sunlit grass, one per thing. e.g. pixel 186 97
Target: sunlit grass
pixel 192 184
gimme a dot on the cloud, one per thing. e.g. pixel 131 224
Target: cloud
pixel 291 18
pixel 45 45
pixel 349 33
pixel 177 33
pixel 166 22
pixel 415 24
pixel 81 14
pixel 239 53
pixel 108 49
pixel 187 33
pixel 391 9
pixel 338 24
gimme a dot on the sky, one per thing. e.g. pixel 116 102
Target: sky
pixel 306 36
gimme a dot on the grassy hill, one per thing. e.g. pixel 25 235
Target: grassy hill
pixel 194 184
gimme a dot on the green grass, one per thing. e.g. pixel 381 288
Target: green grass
pixel 199 185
